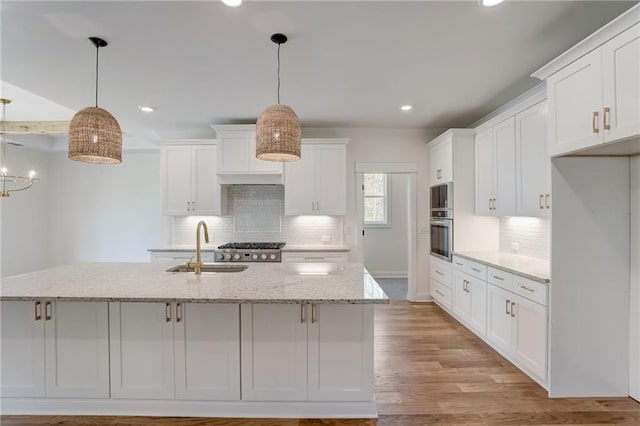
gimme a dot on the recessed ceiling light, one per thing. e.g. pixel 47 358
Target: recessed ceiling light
pixel 146 108
pixel 406 107
pixel 232 3
pixel 489 3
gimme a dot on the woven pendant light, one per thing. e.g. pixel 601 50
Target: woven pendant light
pixel 94 134
pixel 278 132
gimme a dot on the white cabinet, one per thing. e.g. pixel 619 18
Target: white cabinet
pixel 499 317
pixel 470 301
pixel 441 283
pixel 181 351
pixel 317 183
pixel 307 352
pixel 189 180
pixel 315 256
pixel 596 98
pixel 441 161
pixel 496 170
pixel 532 162
pixel 55 349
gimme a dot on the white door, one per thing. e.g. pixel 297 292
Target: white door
pixel 22 339
pixel 532 162
pixel 341 353
pixel 485 172
pixel 461 299
pixel 274 352
pixel 575 105
pixel 478 305
pixel 621 79
pixel 499 317
pixel 530 336
pixel 505 168
pixel 176 179
pixel 256 165
pixel 331 180
pixel 205 189
pixel 441 163
pixel 141 344
pixel 77 349
pixel 300 183
pixel 207 351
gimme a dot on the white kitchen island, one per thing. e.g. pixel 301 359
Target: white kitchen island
pixel 275 340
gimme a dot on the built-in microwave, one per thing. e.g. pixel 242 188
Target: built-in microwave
pixel 441 221
pixel 441 198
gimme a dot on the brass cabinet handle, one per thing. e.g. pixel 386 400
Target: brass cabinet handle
pixel 314 314
pixel 524 287
pixel 546 200
pixel 507 307
pixel 540 202
pixel 513 314
pixel 37 310
pixel 302 313
pixel 490 208
pixel 498 278
pixel 178 312
pixel 459 264
pixel 167 312
pixel 439 273
pixel 464 285
pixel 605 119
pixel 440 293
pixel 477 270
pixel 47 311
pixel 594 122
pixel 317 206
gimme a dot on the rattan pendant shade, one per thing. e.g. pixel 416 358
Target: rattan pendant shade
pixel 95 137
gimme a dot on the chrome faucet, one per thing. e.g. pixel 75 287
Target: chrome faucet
pixel 198 265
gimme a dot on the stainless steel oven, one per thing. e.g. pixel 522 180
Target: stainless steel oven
pixel 442 238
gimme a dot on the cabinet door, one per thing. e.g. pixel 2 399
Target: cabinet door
pixel 461 299
pixel 205 189
pixel 485 172
pixel 499 317
pixel 77 350
pixel 141 346
pixel 505 168
pixel 176 179
pixel 574 97
pixel 530 336
pixel 532 162
pixel 233 151
pixel 441 163
pixel 331 180
pixel 300 183
pixel 22 339
pixel 621 71
pixel 207 351
pixel 256 165
pixel 478 305
pixel 341 353
pixel 274 352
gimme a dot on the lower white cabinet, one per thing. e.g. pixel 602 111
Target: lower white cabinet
pixel 441 279
pixel 287 349
pixel 55 349
pixel 470 301
pixel 315 256
pixel 499 317
pixel 175 351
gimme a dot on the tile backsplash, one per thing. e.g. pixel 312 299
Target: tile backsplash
pixel 530 234
pixel 256 213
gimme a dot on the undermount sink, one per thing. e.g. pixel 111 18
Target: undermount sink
pixel 209 268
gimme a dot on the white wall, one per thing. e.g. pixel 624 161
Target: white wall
pixel 24 216
pixel 101 212
pixel 386 247
pixel 634 332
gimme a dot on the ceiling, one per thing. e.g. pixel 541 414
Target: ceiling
pixel 347 64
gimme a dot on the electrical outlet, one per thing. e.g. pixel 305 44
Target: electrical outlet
pixel 515 247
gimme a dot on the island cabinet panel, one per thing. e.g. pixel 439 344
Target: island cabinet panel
pixel 207 351
pixel 341 353
pixel 77 349
pixel 141 337
pixel 274 352
pixel 22 363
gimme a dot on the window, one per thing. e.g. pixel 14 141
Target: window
pixel 376 211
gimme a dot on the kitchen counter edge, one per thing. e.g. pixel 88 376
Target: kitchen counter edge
pixel 540 279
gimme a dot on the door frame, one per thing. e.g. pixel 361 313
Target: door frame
pixel 410 170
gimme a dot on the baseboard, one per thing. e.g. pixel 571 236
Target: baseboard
pixel 422 298
pixel 389 274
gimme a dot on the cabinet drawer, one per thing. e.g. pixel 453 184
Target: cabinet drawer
pixel 441 294
pixel 315 257
pixel 477 270
pixel 531 290
pixel 441 272
pixel 500 278
pixel 459 263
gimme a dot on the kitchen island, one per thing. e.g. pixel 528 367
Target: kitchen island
pixel 275 340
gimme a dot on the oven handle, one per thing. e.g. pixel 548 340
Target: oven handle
pixel 445 222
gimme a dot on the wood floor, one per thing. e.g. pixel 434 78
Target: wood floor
pixel 430 370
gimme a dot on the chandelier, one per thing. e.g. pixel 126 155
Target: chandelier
pixel 11 183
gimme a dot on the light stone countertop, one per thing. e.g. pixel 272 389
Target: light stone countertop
pixel 527 267
pixel 149 282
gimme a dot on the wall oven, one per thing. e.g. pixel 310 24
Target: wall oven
pixel 441 221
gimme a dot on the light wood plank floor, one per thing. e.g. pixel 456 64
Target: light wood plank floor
pixel 430 370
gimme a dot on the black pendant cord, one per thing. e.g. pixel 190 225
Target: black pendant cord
pixel 278 73
pixel 97 56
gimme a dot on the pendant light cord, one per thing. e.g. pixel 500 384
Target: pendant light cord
pixel 278 73
pixel 97 56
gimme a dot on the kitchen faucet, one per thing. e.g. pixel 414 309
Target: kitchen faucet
pixel 198 264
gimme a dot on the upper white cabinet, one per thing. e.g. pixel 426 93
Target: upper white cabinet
pixel 441 161
pixel 55 349
pixel 496 170
pixel 596 98
pixel 189 180
pixel 533 191
pixel 317 183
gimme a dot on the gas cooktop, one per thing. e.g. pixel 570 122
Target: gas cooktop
pixel 252 246
pixel 249 252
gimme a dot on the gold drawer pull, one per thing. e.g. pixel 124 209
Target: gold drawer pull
pixel 605 118
pixel 439 273
pixel 498 278
pixel 524 287
pixel 438 291
pixel 37 307
pixel 513 313
pixel 301 313
pixel 47 311
pixel 477 270
pixel 507 307
pixel 594 122
pixel 167 312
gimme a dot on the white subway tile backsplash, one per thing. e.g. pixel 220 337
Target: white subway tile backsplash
pixel 531 235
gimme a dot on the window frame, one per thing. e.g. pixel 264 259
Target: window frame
pixel 386 194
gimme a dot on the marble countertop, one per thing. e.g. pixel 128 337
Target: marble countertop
pixel 293 247
pixel 149 282
pixel 527 267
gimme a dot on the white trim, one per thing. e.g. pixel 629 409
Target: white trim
pixel 187 142
pixel 173 408
pixel 233 127
pixel 386 167
pixel 592 42
pixel 515 106
pixel 454 131
pixel 389 274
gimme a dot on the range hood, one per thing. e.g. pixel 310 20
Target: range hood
pixel 250 178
